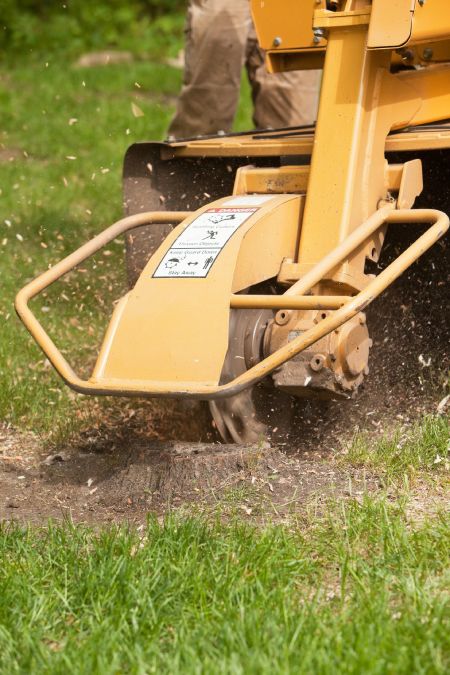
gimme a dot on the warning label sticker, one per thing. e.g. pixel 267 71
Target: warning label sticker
pixel 193 253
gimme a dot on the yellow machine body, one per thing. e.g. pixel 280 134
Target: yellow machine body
pixel 308 227
pixel 294 33
pixel 187 335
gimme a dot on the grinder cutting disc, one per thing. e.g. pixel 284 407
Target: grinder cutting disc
pixel 261 412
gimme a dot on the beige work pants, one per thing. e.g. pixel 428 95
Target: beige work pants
pixel 220 40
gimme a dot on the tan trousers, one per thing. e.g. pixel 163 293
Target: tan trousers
pixel 220 41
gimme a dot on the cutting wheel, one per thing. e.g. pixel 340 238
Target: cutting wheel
pixel 260 412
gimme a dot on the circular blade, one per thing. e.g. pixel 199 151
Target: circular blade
pixel 260 412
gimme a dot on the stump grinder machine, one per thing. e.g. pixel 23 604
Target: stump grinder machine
pixel 248 254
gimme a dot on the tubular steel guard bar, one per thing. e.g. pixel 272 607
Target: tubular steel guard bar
pixel 192 390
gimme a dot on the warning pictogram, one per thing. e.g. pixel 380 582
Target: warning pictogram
pixel 193 253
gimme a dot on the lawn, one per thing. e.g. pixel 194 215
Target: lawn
pixel 358 589
pixel 65 132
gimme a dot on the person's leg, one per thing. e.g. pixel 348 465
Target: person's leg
pixel 216 37
pixel 280 99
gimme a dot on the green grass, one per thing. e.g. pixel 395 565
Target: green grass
pixel 143 27
pixel 422 450
pixel 361 590
pixel 68 130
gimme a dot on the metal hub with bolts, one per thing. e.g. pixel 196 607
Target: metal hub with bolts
pixel 333 367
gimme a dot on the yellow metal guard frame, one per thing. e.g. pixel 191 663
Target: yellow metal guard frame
pixel 293 299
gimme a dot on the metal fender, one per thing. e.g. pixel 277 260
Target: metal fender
pixel 173 325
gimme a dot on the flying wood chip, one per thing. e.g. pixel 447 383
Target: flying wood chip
pixel 136 110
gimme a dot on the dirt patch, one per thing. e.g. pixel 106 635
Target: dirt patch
pixel 104 485
pixel 11 154
pixel 427 501
pixel 103 58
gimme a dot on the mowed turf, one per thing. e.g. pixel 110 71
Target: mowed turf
pixel 67 130
pixel 358 590
pixel 63 136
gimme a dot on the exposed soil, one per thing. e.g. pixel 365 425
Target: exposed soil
pixel 103 58
pixel 10 154
pixel 103 485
